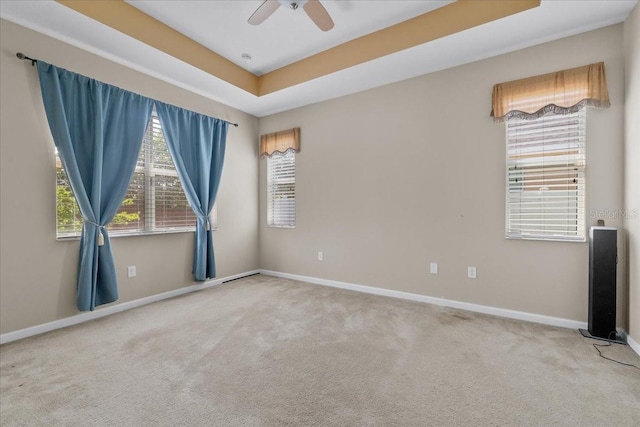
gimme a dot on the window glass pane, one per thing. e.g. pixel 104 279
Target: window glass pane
pixel 159 152
pixel 281 194
pixel 68 218
pixel 131 215
pixel 546 177
pixel 171 207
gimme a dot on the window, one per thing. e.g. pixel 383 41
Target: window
pixel 545 120
pixel 546 177
pixel 280 149
pixel 154 203
pixel 281 190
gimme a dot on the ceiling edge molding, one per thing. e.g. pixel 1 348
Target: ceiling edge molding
pixel 125 18
pixel 438 23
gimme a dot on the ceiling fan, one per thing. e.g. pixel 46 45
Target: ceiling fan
pixel 313 8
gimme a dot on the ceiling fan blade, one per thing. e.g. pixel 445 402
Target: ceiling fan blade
pixel 318 15
pixel 263 12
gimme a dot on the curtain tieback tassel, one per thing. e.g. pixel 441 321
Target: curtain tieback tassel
pixel 100 235
pixel 208 225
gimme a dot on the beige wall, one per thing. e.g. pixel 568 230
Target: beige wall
pixel 393 178
pixel 632 165
pixel 37 273
pixel 388 180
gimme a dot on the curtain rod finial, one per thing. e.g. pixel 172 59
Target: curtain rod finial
pixel 22 56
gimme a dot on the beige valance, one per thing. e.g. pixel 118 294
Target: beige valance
pixel 562 92
pixel 280 142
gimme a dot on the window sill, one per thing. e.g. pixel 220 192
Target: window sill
pixel 281 226
pixel 134 234
pixel 547 239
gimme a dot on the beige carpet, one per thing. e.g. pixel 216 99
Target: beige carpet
pixel 270 352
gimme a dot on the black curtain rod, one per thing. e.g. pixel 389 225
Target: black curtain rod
pixel 24 57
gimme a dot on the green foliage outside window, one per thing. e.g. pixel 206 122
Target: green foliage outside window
pixel 68 215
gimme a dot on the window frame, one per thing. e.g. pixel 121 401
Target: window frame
pixel 579 167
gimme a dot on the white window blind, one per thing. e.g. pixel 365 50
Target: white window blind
pixel 546 177
pixel 281 190
pixel 154 203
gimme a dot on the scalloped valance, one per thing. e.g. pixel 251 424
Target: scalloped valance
pixel 280 142
pixel 562 92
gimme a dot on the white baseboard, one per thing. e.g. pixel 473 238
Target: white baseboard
pixel 512 314
pixel 633 344
pixel 106 311
pixel 502 312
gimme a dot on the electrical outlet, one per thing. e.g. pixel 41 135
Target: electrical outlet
pixel 131 271
pixel 320 256
pixel 471 272
pixel 433 268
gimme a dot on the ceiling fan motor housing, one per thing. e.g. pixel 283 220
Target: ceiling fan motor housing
pixel 293 4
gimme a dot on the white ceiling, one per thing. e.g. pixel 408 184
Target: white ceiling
pixel 221 25
pixel 286 36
